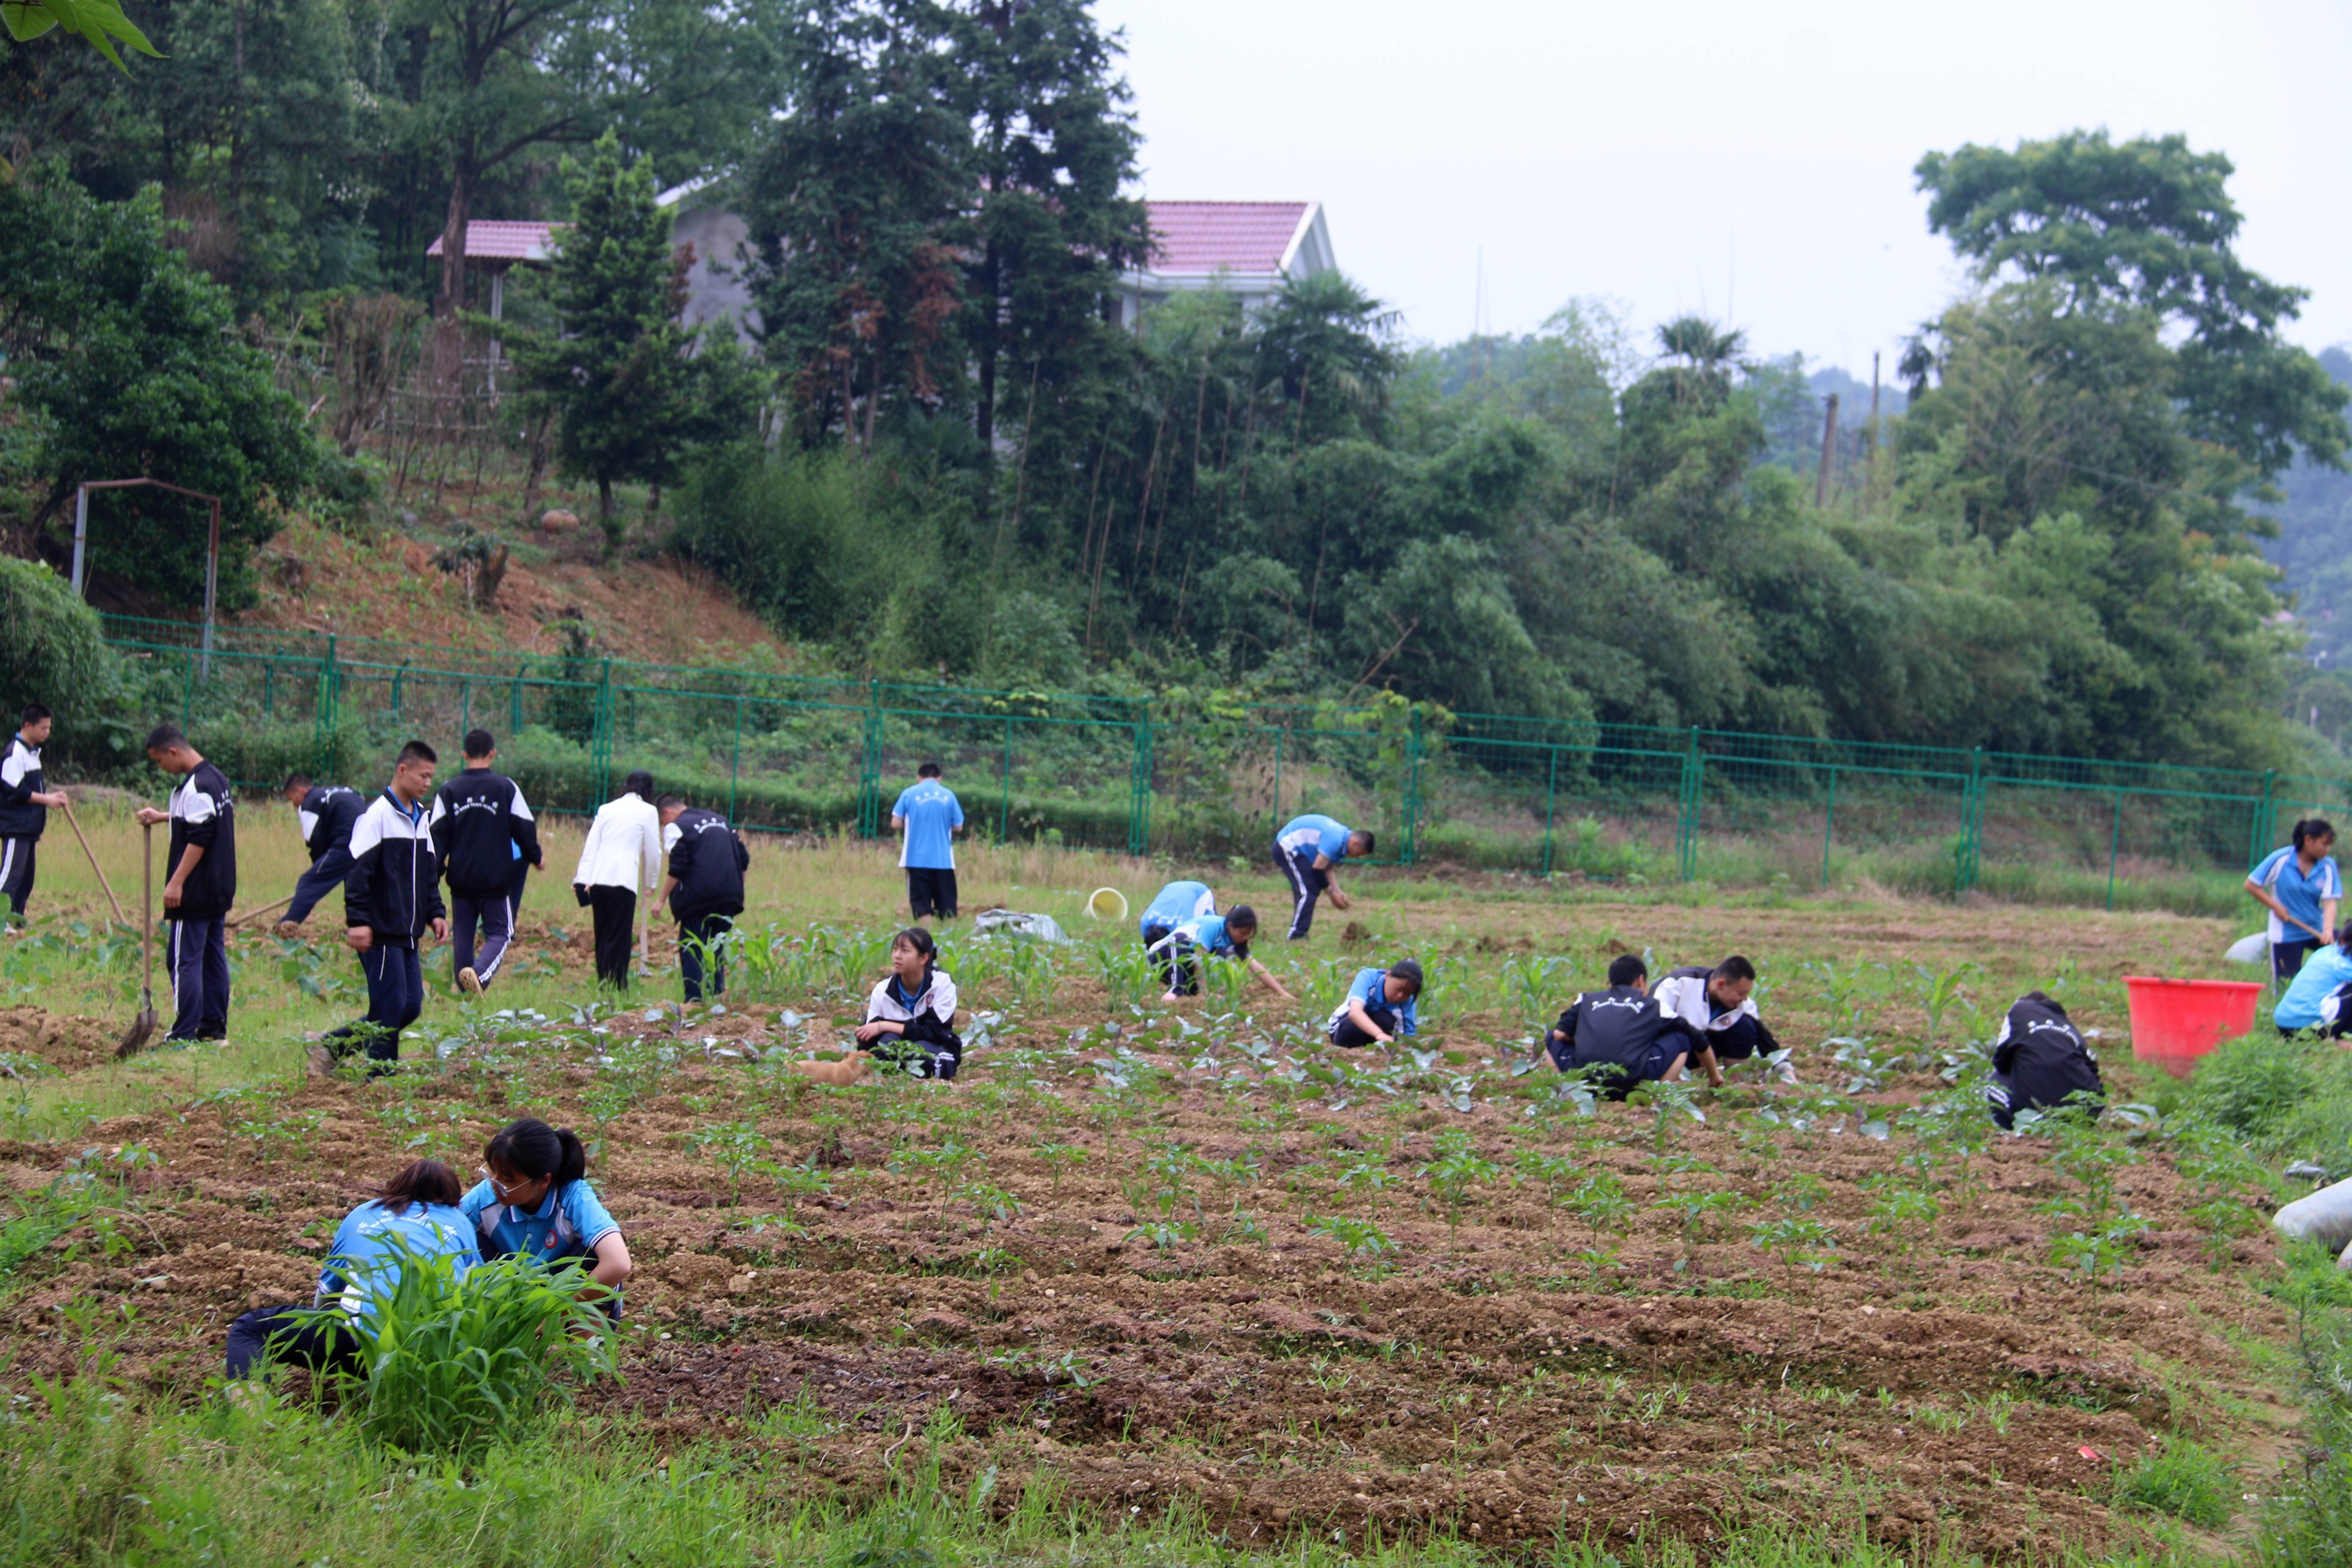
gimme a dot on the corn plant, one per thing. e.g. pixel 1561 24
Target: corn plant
pixel 1458 1168
pixel 1600 1201
pixel 1357 1238
pixel 1940 990
pixel 1058 1158
pixel 734 1147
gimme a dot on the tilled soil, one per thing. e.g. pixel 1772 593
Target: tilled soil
pixel 1512 1377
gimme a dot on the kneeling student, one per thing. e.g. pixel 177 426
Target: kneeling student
pixel 2320 995
pixel 1379 1007
pixel 417 1209
pixel 704 890
pixel 1721 1005
pixel 1183 921
pixel 916 1003
pixel 2038 1060
pixel 1624 1032
pixel 534 1202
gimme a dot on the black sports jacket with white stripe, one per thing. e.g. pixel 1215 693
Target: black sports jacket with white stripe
pixel 21 778
pixel 326 813
pixel 480 824
pixel 395 885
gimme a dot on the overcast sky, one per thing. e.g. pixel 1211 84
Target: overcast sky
pixel 1750 159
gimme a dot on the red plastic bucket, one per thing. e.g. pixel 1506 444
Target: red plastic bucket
pixel 2174 1022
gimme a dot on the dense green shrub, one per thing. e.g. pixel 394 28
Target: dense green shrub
pixel 2253 1086
pixel 2183 1478
pixel 51 652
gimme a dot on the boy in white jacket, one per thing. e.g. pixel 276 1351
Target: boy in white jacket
pixel 622 858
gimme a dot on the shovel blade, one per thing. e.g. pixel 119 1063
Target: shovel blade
pixel 142 1030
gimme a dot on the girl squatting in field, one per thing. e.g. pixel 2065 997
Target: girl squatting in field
pixel 534 1202
pixel 915 1006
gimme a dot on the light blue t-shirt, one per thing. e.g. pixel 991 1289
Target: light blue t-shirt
pixel 932 813
pixel 1206 933
pixel 1367 988
pixel 2326 969
pixel 1316 835
pixel 2282 873
pixel 1176 903
pixel 363 1248
pixel 569 1223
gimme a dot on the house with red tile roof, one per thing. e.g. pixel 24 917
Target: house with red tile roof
pixel 1249 247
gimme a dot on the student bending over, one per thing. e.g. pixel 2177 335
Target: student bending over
pixel 1721 1005
pixel 2038 1060
pixel 916 1003
pixel 2318 998
pixel 1379 1006
pixel 419 1207
pixel 1623 1032
pixel 534 1202
pixel 1182 921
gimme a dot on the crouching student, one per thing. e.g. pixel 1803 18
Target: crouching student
pixel 416 1210
pixel 2039 1060
pixel 2320 995
pixel 1379 1006
pixel 1719 1004
pixel 1181 926
pixel 1624 1032
pixel 534 1202
pixel 914 1004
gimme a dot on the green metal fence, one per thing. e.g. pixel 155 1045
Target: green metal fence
pixel 1538 796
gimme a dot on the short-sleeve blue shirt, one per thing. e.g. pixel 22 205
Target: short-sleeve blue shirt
pixel 364 1246
pixel 1176 903
pixel 569 1223
pixel 1368 988
pixel 2321 974
pixel 2283 874
pixel 932 813
pixel 1316 835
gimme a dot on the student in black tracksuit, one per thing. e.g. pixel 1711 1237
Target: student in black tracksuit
pixel 705 889
pixel 2039 1059
pixel 25 802
pixel 200 885
pixel 1624 1032
pixel 483 831
pixel 326 813
pixel 392 898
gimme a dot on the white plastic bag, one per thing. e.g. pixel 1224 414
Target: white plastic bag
pixel 2325 1216
pixel 2345 1261
pixel 2255 949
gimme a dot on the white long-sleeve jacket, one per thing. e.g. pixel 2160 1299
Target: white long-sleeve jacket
pixel 624 847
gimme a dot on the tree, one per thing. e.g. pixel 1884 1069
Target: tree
pixel 125 352
pixel 617 370
pixel 2148 223
pixel 101 22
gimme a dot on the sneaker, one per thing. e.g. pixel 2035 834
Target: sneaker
pixel 322 1062
pixel 469 983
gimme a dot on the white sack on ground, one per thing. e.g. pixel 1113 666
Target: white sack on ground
pixel 2325 1216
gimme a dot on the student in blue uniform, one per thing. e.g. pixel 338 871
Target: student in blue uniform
pixel 2320 997
pixel 26 800
pixel 1307 852
pixel 417 1209
pixel 201 858
pixel 326 814
pixel 1624 1032
pixel 1379 1007
pixel 931 818
pixel 2301 886
pixel 534 1202
pixel 1182 921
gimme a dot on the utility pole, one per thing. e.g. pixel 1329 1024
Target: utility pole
pixel 1829 445
pixel 1873 411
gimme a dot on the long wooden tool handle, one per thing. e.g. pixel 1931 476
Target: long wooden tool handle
pixel 251 915
pixel 117 903
pixel 147 913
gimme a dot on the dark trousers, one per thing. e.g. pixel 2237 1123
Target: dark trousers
pixel 195 953
pixel 701 937
pixel 1177 970
pixel 929 1047
pixel 1736 1041
pixel 16 873
pixel 932 889
pixel 280 1334
pixel 395 982
pixel 325 875
pixel 495 916
pixel 614 912
pixel 1347 1032
pixel 2286 957
pixel 515 888
pixel 1306 885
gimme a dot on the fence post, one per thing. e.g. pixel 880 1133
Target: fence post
pixel 1829 825
pixel 1139 812
pixel 600 750
pixel 2114 843
pixel 2259 841
pixel 1551 793
pixel 324 724
pixel 1005 800
pixel 269 688
pixel 869 766
pixel 1687 829
pixel 735 768
pixel 466 706
pixel 1964 875
pixel 1411 787
pixel 514 718
pixel 1279 735
pixel 188 698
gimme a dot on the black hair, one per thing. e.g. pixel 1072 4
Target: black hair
pixel 919 940
pixel 415 752
pixel 33 714
pixel 479 743
pixel 928 771
pixel 1365 833
pixel 295 781
pixel 1408 971
pixel 419 1182
pixel 165 738
pixel 1626 968
pixel 666 801
pixel 1736 968
pixel 1241 915
pixel 531 1149
pixel 639 784
pixel 2313 828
